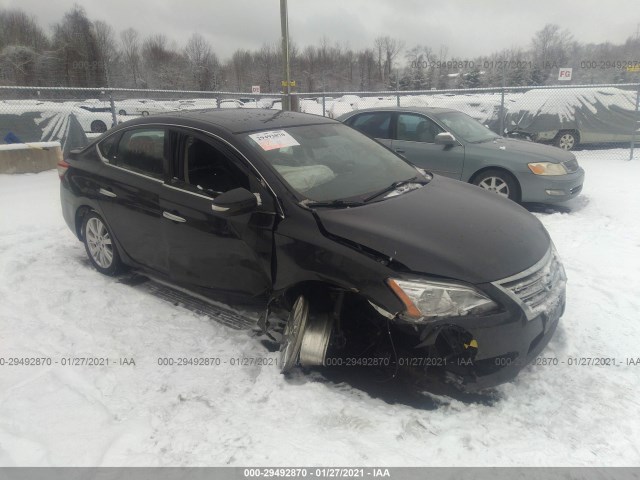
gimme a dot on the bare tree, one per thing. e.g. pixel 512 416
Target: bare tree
pixel 202 62
pixel 241 64
pixel 74 40
pixel 164 67
pixel 267 60
pixel 392 48
pixel 379 49
pixel 131 52
pixel 550 51
pixel 106 45
pixel 366 68
pixel 387 50
pixel 18 63
pixel 420 60
pixel 18 28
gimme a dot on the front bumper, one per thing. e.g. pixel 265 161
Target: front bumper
pixel 550 188
pixel 490 350
pixel 480 351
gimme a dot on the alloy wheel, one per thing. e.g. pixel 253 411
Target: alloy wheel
pixel 496 185
pixel 566 141
pixel 99 242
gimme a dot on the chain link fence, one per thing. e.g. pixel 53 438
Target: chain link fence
pixel 590 117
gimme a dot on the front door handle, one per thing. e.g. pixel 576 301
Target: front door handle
pixel 107 193
pixel 172 217
pixel 399 150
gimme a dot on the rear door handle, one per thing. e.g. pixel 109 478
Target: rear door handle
pixel 172 217
pixel 107 193
pixel 399 150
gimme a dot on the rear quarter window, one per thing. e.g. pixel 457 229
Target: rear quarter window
pixel 107 147
pixel 374 125
pixel 142 151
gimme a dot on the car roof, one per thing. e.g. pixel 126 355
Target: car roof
pixel 425 110
pixel 234 120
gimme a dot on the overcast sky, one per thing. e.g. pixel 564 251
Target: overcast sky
pixel 468 28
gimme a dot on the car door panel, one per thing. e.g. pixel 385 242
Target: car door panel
pixel 443 160
pixel 212 250
pixel 134 201
pixel 130 198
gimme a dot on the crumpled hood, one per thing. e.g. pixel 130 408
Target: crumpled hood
pixel 522 150
pixel 446 228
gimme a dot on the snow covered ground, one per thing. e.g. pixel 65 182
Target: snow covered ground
pixel 53 304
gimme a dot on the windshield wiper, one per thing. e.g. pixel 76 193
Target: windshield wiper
pixel 392 187
pixel 331 203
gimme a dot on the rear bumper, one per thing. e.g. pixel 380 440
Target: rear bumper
pixel 69 207
pixel 552 189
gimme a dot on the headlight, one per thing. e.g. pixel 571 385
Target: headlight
pixel 547 168
pixel 429 299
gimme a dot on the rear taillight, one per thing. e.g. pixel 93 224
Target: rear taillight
pixel 62 168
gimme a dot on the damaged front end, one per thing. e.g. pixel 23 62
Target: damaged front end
pixel 472 336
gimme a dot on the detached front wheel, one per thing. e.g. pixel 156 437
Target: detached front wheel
pixel 306 336
pixel 293 333
pixel 99 244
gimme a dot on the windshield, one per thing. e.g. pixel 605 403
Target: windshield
pixel 466 128
pixel 329 162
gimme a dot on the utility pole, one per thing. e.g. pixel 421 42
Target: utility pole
pixel 284 24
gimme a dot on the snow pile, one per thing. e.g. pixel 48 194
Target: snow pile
pixel 53 304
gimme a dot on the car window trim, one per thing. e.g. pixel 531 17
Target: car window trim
pixel 184 190
pixel 394 126
pixel 263 180
pixel 109 164
pixel 180 154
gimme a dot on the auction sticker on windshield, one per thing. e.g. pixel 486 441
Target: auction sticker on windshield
pixel 273 139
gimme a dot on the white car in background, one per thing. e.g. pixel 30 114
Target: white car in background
pixel 95 118
pixel 231 103
pixel 267 102
pixel 142 107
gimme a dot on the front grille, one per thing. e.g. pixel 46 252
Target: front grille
pixel 571 165
pixel 540 288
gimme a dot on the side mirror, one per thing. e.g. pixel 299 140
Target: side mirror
pixel 235 202
pixel 445 138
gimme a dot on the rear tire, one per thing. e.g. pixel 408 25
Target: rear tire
pixel 566 140
pixel 98 126
pixel 500 182
pixel 100 246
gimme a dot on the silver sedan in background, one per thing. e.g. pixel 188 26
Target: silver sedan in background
pixel 450 143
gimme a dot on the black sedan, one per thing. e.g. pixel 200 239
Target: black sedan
pixel 376 262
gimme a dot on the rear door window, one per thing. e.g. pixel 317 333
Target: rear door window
pixel 374 124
